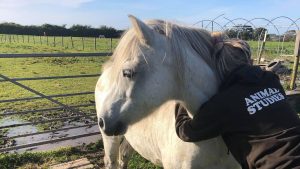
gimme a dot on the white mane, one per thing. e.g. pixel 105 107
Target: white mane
pixel 199 40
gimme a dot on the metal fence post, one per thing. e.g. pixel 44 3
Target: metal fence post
pixel 262 48
pixel 296 61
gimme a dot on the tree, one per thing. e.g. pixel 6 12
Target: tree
pixel 56 30
pixel 259 33
pixel 290 35
pixel 244 32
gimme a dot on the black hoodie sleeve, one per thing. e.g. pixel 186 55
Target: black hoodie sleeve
pixel 204 125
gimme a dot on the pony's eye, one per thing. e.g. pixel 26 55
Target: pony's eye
pixel 129 73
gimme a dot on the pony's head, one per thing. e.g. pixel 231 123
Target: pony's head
pixel 154 63
pixel 133 81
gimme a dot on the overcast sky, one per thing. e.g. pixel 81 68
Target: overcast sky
pixel 114 12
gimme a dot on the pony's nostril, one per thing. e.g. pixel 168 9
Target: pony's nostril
pixel 101 122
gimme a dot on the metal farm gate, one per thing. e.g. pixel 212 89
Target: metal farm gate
pixel 74 111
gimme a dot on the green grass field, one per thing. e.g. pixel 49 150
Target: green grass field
pixel 272 49
pixel 39 67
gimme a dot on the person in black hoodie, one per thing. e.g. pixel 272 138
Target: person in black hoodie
pixel 250 111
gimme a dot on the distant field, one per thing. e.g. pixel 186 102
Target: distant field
pixel 34 44
pixel 43 44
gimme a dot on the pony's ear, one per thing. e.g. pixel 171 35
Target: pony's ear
pixel 144 32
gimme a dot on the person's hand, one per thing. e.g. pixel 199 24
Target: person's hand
pixel 180 111
pixel 182 122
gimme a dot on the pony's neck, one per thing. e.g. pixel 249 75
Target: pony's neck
pixel 200 84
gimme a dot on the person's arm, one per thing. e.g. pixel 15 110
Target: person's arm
pixel 204 125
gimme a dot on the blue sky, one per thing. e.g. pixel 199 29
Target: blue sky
pixel 114 12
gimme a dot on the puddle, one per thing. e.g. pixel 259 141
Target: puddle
pixel 48 136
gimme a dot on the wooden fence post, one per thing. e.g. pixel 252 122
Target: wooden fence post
pixel 72 42
pixel 82 43
pixel 111 48
pixel 296 61
pixel 47 41
pixel 95 43
pixel 62 41
pixel 27 38
pixel 262 48
pixel 41 40
pixel 33 39
pixel 54 42
pixel 23 38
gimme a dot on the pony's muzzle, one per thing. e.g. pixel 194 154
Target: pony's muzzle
pixel 109 128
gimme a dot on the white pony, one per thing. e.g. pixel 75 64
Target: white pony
pixel 154 66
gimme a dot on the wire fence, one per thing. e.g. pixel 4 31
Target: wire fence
pixel 270 40
pixel 280 33
pixel 66 42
